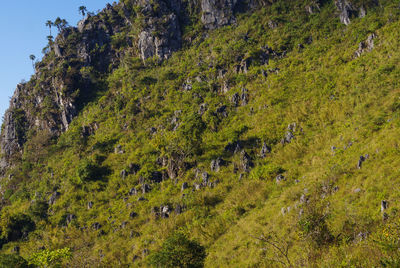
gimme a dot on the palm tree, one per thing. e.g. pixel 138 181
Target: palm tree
pixel 82 10
pixel 32 58
pixel 49 24
pixel 57 23
pixel 63 24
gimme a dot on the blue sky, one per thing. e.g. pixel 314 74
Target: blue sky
pixel 23 32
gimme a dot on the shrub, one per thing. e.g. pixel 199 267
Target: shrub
pixel 38 209
pixel 179 251
pixel 54 258
pixel 12 260
pixel 15 227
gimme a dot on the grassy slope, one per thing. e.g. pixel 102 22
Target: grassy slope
pixel 333 97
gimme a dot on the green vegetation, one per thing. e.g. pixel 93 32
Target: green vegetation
pixel 178 251
pixel 141 132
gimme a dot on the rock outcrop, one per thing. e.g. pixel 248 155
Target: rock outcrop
pixel 162 34
pixel 61 84
pixel 217 13
pixel 348 10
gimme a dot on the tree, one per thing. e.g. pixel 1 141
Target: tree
pixel 49 24
pixel 179 251
pixel 82 10
pixel 60 23
pixel 16 226
pixel 32 58
pixel 57 23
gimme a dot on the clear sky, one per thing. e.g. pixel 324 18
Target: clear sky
pixel 23 32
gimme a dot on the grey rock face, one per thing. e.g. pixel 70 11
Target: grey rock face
pixel 162 34
pixel 365 46
pixel 216 164
pixel 217 13
pixel 348 10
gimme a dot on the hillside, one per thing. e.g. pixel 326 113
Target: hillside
pixel 210 133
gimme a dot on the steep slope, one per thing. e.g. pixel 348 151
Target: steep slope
pixel 264 130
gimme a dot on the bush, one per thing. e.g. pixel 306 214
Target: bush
pixel 179 251
pixel 54 258
pixel 12 260
pixel 38 209
pixel 17 226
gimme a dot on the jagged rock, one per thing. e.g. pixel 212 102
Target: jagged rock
pixel 346 9
pixel 185 185
pixel 222 111
pixel 366 46
pixel 361 236
pixel 245 161
pixel 217 13
pixel 350 9
pixel 164 20
pixel 233 147
pixel 202 108
pixel 123 174
pixel 288 137
pixel 69 219
pixel 133 191
pixel 96 226
pixel 205 179
pixel 360 161
pixel 235 99
pixel 313 7
pixel 118 149
pixel 244 97
pixel 216 164
pixel 146 188
pixel 89 205
pixel 124 224
pixel 165 210
pixel 54 197
pixel 272 24
pixel 179 209
pixel 265 149
pixel 197 186
pixel 384 205
pixel 187 86
pixel 225 87
pixel 280 178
